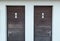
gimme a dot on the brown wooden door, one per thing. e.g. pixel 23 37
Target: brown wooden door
pixel 16 23
pixel 43 23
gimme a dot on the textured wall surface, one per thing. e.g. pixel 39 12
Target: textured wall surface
pixel 29 0
pixel 29 19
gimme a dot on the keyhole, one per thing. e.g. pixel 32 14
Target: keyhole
pixel 15 15
pixel 42 15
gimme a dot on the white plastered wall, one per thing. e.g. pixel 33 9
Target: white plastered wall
pixel 29 18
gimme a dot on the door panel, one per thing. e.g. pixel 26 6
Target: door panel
pixel 43 23
pixel 16 23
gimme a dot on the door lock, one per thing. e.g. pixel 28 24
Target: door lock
pixel 42 15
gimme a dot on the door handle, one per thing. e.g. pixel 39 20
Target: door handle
pixel 9 33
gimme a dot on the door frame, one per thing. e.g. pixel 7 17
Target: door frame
pixel 51 19
pixel 7 19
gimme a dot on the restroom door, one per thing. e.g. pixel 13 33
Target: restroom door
pixel 15 23
pixel 42 23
